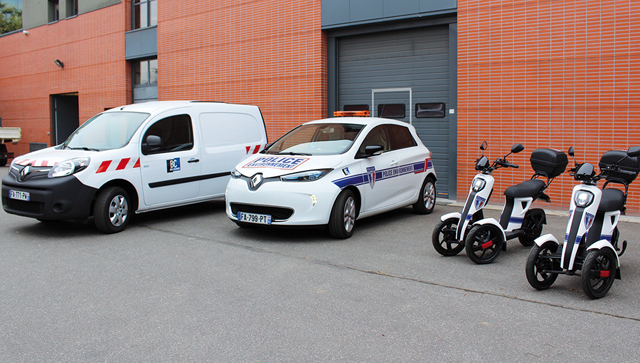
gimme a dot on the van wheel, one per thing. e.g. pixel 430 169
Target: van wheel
pixel 343 215
pixel 111 211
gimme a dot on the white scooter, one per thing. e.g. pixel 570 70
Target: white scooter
pixel 590 247
pixel 449 235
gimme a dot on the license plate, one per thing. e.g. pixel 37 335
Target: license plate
pixel 15 194
pixel 254 218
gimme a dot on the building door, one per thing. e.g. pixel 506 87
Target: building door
pixel 64 116
pixel 416 59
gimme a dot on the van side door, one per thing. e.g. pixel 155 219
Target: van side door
pixel 170 161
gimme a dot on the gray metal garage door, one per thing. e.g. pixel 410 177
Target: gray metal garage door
pixel 414 58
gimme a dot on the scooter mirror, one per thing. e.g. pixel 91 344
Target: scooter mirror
pixel 571 151
pixel 634 151
pixel 517 148
pixel 484 145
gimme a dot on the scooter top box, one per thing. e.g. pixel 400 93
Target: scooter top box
pixel 629 163
pixel 549 162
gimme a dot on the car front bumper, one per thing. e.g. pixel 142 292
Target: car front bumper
pixel 307 203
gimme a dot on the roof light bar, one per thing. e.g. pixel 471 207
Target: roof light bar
pixel 351 113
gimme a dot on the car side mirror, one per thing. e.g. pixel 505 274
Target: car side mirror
pixel 372 150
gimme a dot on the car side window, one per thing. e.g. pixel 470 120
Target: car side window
pixel 377 136
pixel 401 137
pixel 175 133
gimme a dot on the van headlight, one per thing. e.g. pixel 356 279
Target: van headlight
pixel 305 176
pixel 69 167
pixel 583 199
pixel 478 184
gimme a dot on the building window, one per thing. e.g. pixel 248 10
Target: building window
pixel 72 8
pixel 145 13
pixel 145 72
pixel 430 110
pixel 54 10
pixel 391 110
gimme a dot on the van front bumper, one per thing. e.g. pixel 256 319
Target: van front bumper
pixel 64 198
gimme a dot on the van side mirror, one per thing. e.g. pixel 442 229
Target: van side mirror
pixel 152 143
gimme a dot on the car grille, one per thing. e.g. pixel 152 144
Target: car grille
pixel 278 213
pixel 23 206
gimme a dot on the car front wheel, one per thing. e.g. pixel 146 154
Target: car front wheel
pixel 343 215
pixel 111 211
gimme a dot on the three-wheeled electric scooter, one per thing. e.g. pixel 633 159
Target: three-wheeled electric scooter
pixel 590 247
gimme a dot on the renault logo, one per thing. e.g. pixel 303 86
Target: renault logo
pixel 24 172
pixel 256 180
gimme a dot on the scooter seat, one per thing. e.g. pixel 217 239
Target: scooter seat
pixel 612 199
pixel 528 188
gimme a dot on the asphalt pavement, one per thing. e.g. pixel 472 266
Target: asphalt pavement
pixel 188 285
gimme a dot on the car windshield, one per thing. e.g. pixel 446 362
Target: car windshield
pixel 105 131
pixel 316 139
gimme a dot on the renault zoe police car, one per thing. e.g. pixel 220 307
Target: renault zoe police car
pixel 333 172
pixel 135 158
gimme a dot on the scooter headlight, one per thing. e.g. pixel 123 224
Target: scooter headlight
pixel 478 184
pixel 583 199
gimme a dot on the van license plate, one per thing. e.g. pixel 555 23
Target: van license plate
pixel 15 194
pixel 254 218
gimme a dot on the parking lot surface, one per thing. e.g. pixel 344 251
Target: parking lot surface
pixel 188 285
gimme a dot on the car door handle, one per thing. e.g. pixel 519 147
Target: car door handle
pixel 192 160
pixel 394 163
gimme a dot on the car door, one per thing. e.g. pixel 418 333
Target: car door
pixel 171 169
pixel 410 161
pixel 379 169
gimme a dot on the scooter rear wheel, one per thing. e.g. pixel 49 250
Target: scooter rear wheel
pixel 484 243
pixel 444 238
pixel 598 272
pixel 538 262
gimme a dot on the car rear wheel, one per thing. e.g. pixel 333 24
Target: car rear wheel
pixel 427 199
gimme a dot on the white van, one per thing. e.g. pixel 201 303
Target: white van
pixel 135 158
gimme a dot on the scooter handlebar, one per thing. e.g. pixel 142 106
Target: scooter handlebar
pixel 505 163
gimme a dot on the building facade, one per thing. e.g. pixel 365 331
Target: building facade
pixel 542 73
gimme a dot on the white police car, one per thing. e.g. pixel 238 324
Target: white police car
pixel 333 172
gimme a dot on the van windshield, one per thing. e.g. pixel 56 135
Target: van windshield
pixel 105 131
pixel 316 139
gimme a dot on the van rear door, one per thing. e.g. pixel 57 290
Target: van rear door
pixel 228 137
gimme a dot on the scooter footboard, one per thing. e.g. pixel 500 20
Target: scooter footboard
pixel 546 238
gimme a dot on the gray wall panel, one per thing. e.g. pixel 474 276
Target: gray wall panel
pixel 416 58
pixel 141 43
pixel 36 12
pixel 337 13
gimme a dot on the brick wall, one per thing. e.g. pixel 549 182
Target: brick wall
pixel 91 46
pixel 547 74
pixel 269 53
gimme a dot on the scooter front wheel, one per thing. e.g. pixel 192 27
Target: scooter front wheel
pixel 484 243
pixel 444 238
pixel 598 272
pixel 538 263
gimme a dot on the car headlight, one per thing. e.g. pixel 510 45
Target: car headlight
pixel 304 176
pixel 478 184
pixel 236 174
pixel 583 199
pixel 69 167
